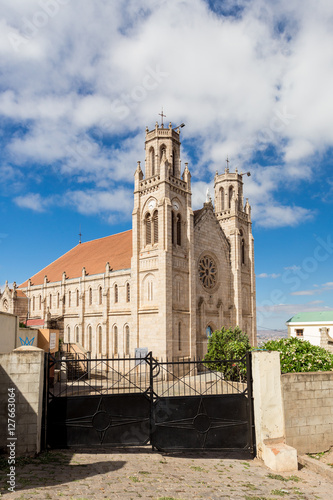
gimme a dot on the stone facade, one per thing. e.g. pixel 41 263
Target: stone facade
pixel 190 272
pixel 308 410
pixel 22 379
pixel 14 301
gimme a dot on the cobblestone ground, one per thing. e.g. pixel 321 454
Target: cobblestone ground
pixel 141 473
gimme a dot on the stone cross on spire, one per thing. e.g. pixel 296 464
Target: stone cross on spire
pixel 163 116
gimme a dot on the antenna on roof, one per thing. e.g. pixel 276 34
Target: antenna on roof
pixel 80 234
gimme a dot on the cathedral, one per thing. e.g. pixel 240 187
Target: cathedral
pixel 163 286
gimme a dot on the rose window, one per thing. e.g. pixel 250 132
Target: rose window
pixel 207 272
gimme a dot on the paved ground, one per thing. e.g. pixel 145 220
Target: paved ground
pixel 141 473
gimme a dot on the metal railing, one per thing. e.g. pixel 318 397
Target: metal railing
pixel 188 377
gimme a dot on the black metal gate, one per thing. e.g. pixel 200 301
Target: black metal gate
pixel 180 405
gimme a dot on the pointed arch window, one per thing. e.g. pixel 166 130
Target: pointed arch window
pixel 231 195
pixel 77 298
pixel 128 293
pixel 150 290
pixel 173 163
pixel 116 297
pixel 115 339
pixel 40 302
pixel 209 331
pixel 77 334
pixel 148 229
pixel 155 225
pixel 127 340
pixel 69 298
pixel 179 336
pixel 222 198
pixel 89 340
pixel 58 299
pixel 100 295
pixel 179 230
pixel 152 160
pixel 50 300
pixel 173 223
pixel 33 302
pixel 243 250
pixel 99 336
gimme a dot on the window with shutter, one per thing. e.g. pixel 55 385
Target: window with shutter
pixel 155 222
pixel 148 229
pixel 179 234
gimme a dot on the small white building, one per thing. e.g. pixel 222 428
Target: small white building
pixel 316 327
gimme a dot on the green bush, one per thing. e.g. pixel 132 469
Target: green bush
pixel 227 345
pixel 298 355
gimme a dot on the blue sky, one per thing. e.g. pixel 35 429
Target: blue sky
pixel 252 79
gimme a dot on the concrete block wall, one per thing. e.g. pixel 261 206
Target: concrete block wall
pixel 308 410
pixel 22 370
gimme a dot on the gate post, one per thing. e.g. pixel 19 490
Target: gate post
pixel 250 398
pixel 22 384
pixel 268 413
pixel 151 393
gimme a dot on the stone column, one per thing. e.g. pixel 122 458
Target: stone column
pixel 268 413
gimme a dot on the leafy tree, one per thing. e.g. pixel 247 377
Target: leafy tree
pixel 225 346
pixel 298 355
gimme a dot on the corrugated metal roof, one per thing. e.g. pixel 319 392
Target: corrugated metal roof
pixel 93 255
pixel 311 316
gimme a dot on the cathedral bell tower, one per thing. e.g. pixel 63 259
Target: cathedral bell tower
pixel 235 219
pixel 163 248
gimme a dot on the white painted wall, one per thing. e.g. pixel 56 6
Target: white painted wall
pixel 311 331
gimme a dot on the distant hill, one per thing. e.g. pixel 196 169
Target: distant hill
pixel 265 335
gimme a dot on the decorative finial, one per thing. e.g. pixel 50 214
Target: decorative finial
pixel 163 116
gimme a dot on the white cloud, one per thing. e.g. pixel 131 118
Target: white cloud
pixel 292 268
pixel 199 193
pixel 288 310
pixel 319 289
pixel 265 275
pixel 32 201
pixel 87 78
pixel 94 202
pixel 273 215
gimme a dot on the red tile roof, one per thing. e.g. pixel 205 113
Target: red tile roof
pixel 19 293
pixel 34 322
pixel 93 255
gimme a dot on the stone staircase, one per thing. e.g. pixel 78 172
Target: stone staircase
pixel 76 366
